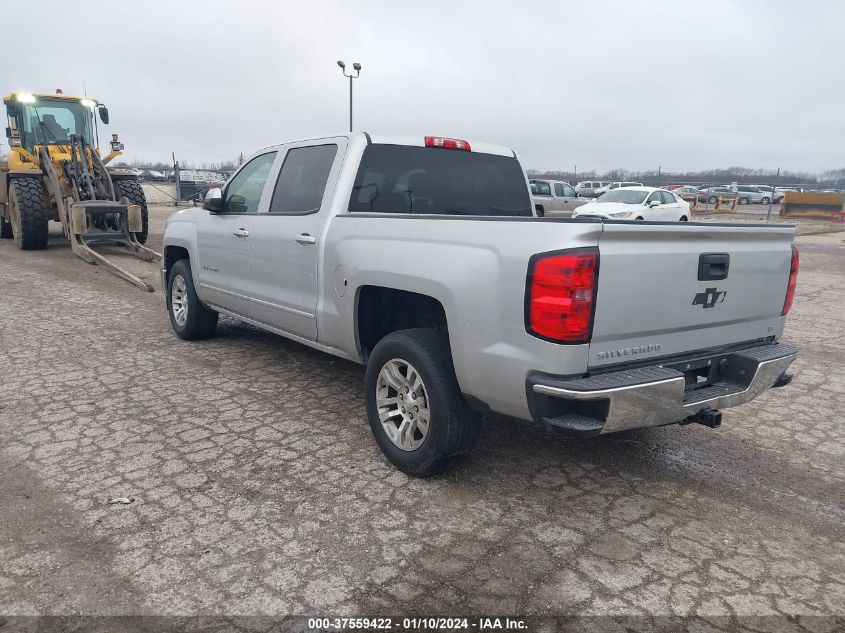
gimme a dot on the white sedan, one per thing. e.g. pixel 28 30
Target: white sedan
pixel 636 203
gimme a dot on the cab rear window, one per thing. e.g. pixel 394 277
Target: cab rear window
pixel 425 180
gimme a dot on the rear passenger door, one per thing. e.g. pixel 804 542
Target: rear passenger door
pixel 671 207
pixel 287 238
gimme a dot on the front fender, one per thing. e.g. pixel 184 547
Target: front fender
pixel 181 235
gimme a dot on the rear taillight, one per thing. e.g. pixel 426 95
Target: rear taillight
pixel 793 281
pixel 447 143
pixel 561 294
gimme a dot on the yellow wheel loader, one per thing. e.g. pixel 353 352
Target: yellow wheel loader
pixel 54 172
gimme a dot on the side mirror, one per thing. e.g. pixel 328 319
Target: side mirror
pixel 213 200
pixel 104 114
pixel 653 203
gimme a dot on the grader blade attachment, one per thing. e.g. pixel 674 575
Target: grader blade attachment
pixel 105 222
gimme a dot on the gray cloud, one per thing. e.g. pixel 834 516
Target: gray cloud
pixel 597 84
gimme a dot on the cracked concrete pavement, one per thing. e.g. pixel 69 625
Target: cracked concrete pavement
pixel 259 490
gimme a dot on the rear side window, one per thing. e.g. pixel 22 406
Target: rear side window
pixel 541 188
pixel 559 189
pixel 302 180
pixel 426 180
pixel 668 197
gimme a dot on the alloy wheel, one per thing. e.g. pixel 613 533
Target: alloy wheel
pixel 403 406
pixel 179 300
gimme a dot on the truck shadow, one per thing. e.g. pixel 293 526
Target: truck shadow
pixel 516 458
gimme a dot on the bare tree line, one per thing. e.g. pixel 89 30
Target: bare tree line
pixel 834 178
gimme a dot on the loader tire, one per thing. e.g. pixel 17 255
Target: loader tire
pixel 132 191
pixel 27 213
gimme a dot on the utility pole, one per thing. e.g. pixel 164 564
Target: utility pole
pixel 178 179
pixel 356 69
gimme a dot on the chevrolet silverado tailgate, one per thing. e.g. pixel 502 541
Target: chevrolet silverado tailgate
pixel 667 289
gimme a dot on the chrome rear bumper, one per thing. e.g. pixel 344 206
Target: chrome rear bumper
pixel 655 395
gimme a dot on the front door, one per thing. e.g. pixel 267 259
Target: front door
pixel 287 239
pixel 223 239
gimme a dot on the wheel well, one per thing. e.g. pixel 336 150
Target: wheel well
pixel 173 254
pixel 381 311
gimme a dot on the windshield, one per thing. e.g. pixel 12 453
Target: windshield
pixel 409 179
pixel 625 196
pixel 52 121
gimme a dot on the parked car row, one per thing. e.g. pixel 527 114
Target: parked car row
pixel 746 194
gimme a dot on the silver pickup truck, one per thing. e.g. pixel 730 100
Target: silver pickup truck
pixel 423 259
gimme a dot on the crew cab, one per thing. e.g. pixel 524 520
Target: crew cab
pixel 555 198
pixel 423 259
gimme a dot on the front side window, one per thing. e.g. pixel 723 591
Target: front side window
pixel 243 194
pixel 302 180
pixel 427 180
pixel 569 191
pixel 655 197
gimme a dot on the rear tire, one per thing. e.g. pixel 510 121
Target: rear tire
pixel 190 319
pixel 744 200
pixel 712 199
pixel 684 218
pixel 27 213
pixel 132 191
pixel 452 427
pixel 640 218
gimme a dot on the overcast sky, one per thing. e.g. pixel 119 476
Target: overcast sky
pixel 681 85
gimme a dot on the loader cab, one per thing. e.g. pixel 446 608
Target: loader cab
pixel 49 120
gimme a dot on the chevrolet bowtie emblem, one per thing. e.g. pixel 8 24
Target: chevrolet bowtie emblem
pixel 709 298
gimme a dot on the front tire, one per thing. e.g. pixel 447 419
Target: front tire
pixel 132 191
pixel 417 414
pixel 684 219
pixel 27 213
pixel 765 200
pixel 744 200
pixel 712 199
pixel 190 319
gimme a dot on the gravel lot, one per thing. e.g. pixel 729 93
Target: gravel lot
pixel 258 488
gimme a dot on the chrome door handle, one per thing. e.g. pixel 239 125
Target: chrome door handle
pixel 304 238
pixel 240 233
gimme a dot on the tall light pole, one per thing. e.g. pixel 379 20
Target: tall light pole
pixel 356 67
